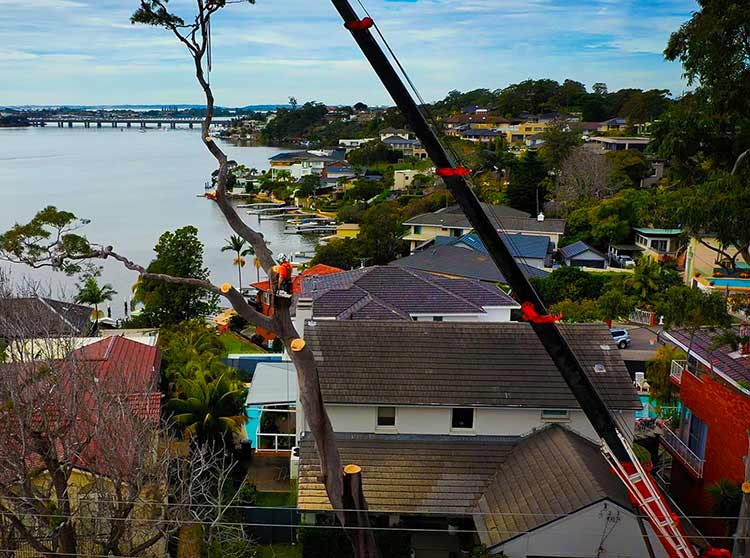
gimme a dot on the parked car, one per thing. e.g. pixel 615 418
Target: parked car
pixel 626 261
pixel 621 337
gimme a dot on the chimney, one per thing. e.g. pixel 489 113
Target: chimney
pixel 540 217
pixel 304 313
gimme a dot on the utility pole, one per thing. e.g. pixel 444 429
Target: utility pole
pixel 741 548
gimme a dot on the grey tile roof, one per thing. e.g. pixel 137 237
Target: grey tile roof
pixel 459 364
pixel 550 473
pixel 460 262
pixel 399 290
pixel 508 218
pixel 724 359
pixel 409 474
pixel 42 317
pixel 572 250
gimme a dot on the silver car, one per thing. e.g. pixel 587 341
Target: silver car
pixel 621 337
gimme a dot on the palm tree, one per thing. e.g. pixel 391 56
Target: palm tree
pixel 239 246
pixel 646 279
pixel 93 293
pixel 209 408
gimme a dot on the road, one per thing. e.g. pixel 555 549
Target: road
pixel 643 344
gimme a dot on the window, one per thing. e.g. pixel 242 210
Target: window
pixel 462 419
pixel 697 435
pixel 659 245
pixel 387 416
pixel 437 318
pixel 457 232
pixel 555 414
pixel 417 229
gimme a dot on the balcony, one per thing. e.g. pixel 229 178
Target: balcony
pixel 675 374
pixel 680 451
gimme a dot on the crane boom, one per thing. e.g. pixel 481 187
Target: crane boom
pixel 615 448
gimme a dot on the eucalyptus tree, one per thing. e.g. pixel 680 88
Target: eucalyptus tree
pixel 53 239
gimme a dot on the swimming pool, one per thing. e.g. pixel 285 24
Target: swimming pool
pixel 648 410
pixel 252 424
pixel 735 282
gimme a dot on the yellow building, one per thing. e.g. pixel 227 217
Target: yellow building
pixel 343 231
pixel 701 263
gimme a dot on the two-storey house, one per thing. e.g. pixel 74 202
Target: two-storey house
pixel 470 427
pixel 709 441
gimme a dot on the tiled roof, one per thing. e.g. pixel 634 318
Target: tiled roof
pixel 398 292
pixel 459 364
pixel 42 317
pixel 573 250
pixel 455 261
pixel 314 271
pixel 506 217
pixel 409 474
pixel 551 473
pixel 520 245
pixel 724 359
pixel 301 156
pixel 135 366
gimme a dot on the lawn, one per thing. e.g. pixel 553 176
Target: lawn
pixel 279 551
pixel 275 499
pixel 236 344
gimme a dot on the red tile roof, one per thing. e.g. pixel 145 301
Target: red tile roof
pixel 134 363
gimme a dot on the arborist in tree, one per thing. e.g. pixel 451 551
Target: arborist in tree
pixel 284 280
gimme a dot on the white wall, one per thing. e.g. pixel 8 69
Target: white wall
pixel 581 535
pixel 493 314
pixel 437 420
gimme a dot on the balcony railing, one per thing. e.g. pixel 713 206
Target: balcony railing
pixel 684 454
pixel 274 442
pixel 675 374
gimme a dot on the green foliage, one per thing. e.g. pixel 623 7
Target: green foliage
pixel 629 166
pixel 528 183
pixel 726 499
pixel 380 234
pixel 187 346
pixel 48 240
pixel 578 311
pixel 295 123
pixel 350 214
pixel 720 205
pixel 309 185
pixel 614 304
pixel 692 309
pixel 569 283
pixel 373 152
pixel 649 280
pixel 363 190
pixel 342 253
pixel 241 248
pixel 658 369
pixel 179 254
pixel 94 294
pixel 560 139
pixel 642 454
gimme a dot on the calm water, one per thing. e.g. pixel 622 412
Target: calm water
pixel 132 186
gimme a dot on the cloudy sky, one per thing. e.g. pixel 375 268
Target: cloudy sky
pixel 86 51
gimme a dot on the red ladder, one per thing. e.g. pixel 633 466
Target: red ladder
pixel 646 495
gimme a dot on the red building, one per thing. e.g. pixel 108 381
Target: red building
pixel 710 441
pixel 264 293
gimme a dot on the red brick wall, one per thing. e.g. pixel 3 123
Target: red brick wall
pixel 727 414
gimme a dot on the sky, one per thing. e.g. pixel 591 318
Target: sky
pixel 87 52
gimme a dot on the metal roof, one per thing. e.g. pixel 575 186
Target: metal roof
pixel 273 384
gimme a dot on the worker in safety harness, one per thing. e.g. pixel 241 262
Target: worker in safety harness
pixel 284 280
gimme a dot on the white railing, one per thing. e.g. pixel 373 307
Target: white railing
pixel 676 371
pixel 679 449
pixel 288 438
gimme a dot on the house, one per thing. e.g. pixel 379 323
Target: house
pixel 394 132
pixel 619 143
pixel 351 144
pixel 580 254
pixel 616 123
pixel 659 244
pixel 302 163
pixel 456 261
pixel 444 418
pixel 402 179
pixel 40 317
pixel 408 147
pixel 396 293
pixel 265 289
pixel 709 442
pixel 343 231
pixel 535 251
pixel 480 135
pixel 703 269
pixel 272 399
pixel 451 221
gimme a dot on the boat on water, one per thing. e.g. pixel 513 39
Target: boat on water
pixel 257 208
pixel 311 226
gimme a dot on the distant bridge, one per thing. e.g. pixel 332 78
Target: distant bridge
pixel 124 122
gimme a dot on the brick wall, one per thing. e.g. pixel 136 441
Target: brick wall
pixel 727 414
